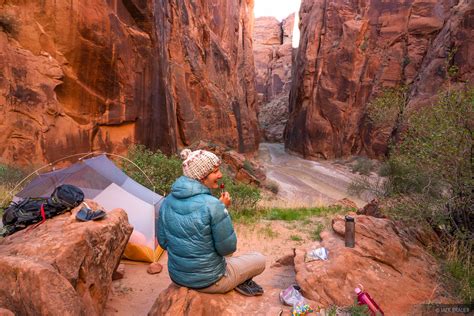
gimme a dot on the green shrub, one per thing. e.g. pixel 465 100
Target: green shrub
pixel 460 267
pixel 271 186
pixel 359 310
pixel 9 178
pixel 244 196
pixel 429 174
pixel 388 109
pixel 315 234
pixel 269 232
pixel 407 179
pixel 296 238
pixel 295 214
pixel 332 310
pixel 301 216
pixel 365 185
pixel 434 159
pixel 5 197
pixel 363 166
pixel 161 170
pixel 248 166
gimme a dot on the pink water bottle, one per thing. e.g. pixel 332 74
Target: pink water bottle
pixel 364 298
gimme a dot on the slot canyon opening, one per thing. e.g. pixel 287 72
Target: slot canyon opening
pixel 275 41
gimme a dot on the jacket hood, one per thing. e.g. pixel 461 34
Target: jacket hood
pixel 185 187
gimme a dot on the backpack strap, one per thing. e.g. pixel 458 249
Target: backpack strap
pixel 43 215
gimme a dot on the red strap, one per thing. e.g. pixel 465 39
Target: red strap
pixel 43 215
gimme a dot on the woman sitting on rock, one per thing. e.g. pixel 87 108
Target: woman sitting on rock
pixel 196 230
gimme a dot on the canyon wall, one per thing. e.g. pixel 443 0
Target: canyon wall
pixel 350 51
pixel 209 71
pixel 273 59
pixel 80 76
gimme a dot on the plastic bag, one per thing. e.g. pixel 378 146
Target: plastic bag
pixel 317 254
pixel 291 296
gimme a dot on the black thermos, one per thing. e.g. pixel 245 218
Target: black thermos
pixel 349 236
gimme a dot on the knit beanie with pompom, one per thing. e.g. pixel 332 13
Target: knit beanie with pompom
pixel 198 164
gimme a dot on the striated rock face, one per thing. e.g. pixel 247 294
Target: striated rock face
pixel 391 266
pixel 349 51
pixel 62 267
pixel 82 76
pixel 76 77
pixel 209 71
pixel 273 54
pixel 267 38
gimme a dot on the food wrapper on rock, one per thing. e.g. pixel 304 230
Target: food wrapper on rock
pixel 291 296
pixel 317 254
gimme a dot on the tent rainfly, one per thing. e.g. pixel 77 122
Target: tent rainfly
pixel 102 181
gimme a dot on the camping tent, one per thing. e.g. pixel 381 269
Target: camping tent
pixel 102 181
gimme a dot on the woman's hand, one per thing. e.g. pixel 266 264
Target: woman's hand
pixel 225 199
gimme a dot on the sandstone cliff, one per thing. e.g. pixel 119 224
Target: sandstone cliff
pixel 349 51
pixel 207 65
pixel 273 59
pixel 101 75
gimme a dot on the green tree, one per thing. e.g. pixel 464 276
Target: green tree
pixel 154 167
pixel 389 109
pixel 434 158
pixel 428 175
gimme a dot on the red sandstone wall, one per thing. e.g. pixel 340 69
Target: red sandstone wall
pixel 349 51
pixel 78 76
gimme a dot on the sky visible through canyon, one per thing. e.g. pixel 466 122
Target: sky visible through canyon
pixel 279 9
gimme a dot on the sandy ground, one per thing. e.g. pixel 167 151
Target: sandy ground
pixel 301 183
pixel 138 290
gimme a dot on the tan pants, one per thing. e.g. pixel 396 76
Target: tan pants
pixel 239 269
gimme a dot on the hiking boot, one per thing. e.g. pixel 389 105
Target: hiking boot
pixel 249 288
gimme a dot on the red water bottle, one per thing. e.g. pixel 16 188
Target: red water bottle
pixel 364 299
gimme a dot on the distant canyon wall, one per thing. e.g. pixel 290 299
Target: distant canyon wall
pixel 350 51
pixel 79 76
pixel 272 45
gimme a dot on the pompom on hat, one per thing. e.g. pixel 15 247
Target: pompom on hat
pixel 199 163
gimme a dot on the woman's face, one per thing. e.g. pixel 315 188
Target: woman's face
pixel 211 180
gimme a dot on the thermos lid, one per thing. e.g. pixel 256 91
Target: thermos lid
pixel 349 218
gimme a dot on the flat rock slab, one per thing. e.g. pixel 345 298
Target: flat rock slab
pixel 62 267
pixel 177 300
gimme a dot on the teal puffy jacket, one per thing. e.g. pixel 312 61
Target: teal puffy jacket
pixel 196 230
